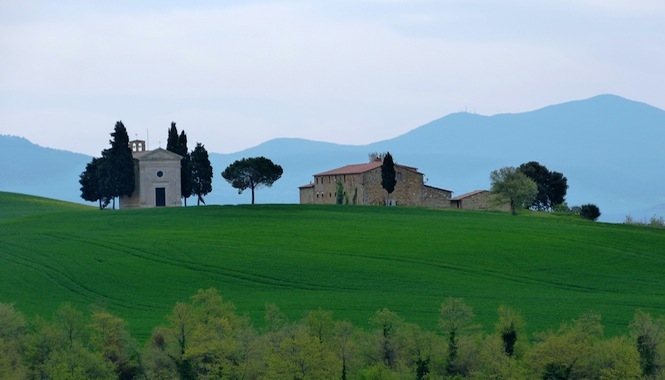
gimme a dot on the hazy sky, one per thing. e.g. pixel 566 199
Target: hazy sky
pixel 234 74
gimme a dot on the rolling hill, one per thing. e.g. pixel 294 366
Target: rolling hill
pixel 349 260
pixel 609 148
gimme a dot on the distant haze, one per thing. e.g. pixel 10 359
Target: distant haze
pixel 235 74
pixel 609 148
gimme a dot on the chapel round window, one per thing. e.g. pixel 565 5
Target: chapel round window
pixel 160 173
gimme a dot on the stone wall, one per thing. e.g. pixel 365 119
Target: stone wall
pixel 482 200
pixel 435 197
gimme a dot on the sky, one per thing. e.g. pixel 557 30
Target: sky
pixel 234 74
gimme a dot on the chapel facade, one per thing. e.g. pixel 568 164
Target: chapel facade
pixel 156 178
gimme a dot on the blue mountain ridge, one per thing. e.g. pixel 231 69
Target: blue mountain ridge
pixel 609 148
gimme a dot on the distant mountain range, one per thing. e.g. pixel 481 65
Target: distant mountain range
pixel 610 148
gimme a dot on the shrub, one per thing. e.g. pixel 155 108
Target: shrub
pixel 590 211
pixel 654 221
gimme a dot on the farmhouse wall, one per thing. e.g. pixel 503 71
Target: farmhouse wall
pixel 435 197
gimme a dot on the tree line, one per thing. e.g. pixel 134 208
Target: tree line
pixel 532 186
pixel 206 339
pixel 112 175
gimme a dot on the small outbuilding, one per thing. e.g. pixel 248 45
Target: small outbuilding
pixel 478 200
pixel 157 178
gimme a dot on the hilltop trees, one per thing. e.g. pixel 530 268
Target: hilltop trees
pixel 252 173
pixel 509 184
pixel 93 183
pixel 201 172
pixel 178 145
pixel 388 175
pixel 590 211
pixel 552 186
pixel 112 175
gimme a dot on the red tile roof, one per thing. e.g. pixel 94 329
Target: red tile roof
pixel 359 169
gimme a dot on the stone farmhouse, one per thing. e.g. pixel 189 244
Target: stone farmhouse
pixel 157 178
pixel 362 186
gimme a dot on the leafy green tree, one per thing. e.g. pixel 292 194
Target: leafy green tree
pixel 388 175
pixel 455 318
pixel 552 186
pixel 568 353
pixel 511 185
pixel 201 173
pixel 299 355
pixel 649 337
pixel 590 211
pixel 12 335
pixel 345 346
pixel 252 173
pixel 109 336
pixel 389 324
pixel 510 327
pixel 119 164
pixel 93 183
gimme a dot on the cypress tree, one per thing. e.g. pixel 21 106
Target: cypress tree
pixel 201 173
pixel 119 164
pixel 388 175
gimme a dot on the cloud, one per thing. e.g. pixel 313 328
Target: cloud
pixel 343 71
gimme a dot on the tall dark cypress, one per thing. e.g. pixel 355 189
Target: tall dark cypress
pixel 119 164
pixel 388 175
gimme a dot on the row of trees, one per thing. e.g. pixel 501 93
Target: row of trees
pixel 112 175
pixel 206 339
pixel 196 171
pixel 195 168
pixel 532 186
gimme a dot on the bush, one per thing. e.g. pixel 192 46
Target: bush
pixel 589 211
pixel 654 221
pixel 561 207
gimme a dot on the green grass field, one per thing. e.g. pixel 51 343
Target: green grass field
pixel 350 260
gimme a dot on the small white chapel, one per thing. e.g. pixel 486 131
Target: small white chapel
pixel 157 178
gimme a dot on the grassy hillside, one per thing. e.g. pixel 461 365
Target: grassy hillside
pixel 351 260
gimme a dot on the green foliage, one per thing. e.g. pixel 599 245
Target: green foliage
pixel 220 344
pixel 509 184
pixel 339 193
pixel 93 183
pixel 388 175
pixel 649 337
pixel 252 173
pixel 178 145
pixel 552 186
pixel 172 139
pixel 118 165
pixel 654 221
pixel 112 175
pixel 201 172
pixel 590 211
pixel 455 319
